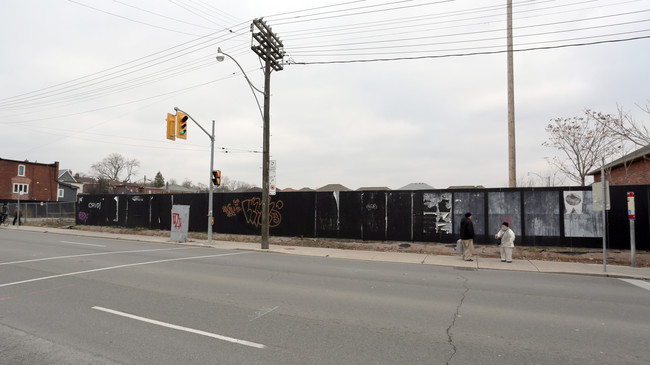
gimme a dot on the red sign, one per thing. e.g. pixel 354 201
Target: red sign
pixel 631 213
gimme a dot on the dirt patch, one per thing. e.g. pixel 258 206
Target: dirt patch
pixel 561 254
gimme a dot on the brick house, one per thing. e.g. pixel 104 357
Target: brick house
pixel 36 181
pixel 87 183
pixel 631 169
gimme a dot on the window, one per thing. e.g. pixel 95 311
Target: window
pixel 24 188
pixel 21 171
pixel 61 193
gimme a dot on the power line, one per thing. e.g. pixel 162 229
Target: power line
pixel 460 41
pixel 112 73
pixel 162 16
pixel 316 8
pixel 193 10
pixel 112 70
pixel 97 84
pixel 411 20
pixel 211 8
pixel 132 20
pixel 365 12
pixel 118 105
pixel 465 54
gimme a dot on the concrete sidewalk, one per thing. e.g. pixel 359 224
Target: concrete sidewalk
pixel 401 257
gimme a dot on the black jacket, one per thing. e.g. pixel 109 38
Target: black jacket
pixel 466 229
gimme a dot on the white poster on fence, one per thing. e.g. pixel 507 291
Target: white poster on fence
pixel 573 202
pixel 272 186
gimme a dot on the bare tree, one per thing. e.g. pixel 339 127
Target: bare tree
pixel 583 143
pixel 548 178
pixel 114 166
pixel 228 184
pixel 624 125
pixel 201 187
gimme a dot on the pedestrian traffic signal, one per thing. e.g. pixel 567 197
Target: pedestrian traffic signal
pixel 181 125
pixel 216 177
pixel 171 126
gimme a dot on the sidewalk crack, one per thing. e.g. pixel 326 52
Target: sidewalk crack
pixel 450 338
pixel 536 268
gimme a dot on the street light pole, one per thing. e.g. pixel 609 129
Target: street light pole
pixel 210 194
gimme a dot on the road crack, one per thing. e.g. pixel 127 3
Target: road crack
pixel 450 337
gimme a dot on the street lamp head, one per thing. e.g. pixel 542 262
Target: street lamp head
pixel 220 56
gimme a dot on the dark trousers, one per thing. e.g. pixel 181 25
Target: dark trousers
pixel 14 223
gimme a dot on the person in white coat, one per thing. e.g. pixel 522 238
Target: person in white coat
pixel 507 242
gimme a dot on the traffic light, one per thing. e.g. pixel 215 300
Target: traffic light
pixel 171 126
pixel 181 125
pixel 216 177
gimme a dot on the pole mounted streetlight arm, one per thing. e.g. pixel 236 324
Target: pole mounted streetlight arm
pixel 220 58
pixel 195 122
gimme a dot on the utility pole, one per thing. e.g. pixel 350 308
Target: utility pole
pixel 270 49
pixel 512 158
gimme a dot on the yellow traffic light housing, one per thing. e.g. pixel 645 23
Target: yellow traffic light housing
pixel 181 125
pixel 216 177
pixel 171 126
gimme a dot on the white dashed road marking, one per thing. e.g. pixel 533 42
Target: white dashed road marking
pixel 181 328
pixel 640 283
pixel 82 244
pixel 119 267
pixel 91 254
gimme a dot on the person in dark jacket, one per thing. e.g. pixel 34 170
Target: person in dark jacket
pixel 4 212
pixel 467 236
pixel 17 216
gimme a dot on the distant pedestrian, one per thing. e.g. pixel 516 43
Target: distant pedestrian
pixel 467 236
pixel 16 216
pixel 507 242
pixel 4 212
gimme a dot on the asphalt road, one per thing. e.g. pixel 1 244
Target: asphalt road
pixel 78 300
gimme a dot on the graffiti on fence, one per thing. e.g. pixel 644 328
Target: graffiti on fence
pixel 95 205
pixel 231 209
pixel 252 211
pixel 177 221
pixel 83 216
pixel 275 218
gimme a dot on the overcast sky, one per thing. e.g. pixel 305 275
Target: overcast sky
pixel 83 79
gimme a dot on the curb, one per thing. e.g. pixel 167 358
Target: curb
pixel 404 257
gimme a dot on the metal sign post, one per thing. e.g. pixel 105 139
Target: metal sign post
pixel 600 191
pixel 631 214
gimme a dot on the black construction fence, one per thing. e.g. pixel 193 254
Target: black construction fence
pixel 557 216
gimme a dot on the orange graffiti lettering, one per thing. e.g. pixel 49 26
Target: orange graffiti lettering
pixel 252 210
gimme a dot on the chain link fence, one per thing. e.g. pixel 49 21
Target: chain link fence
pixel 43 211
